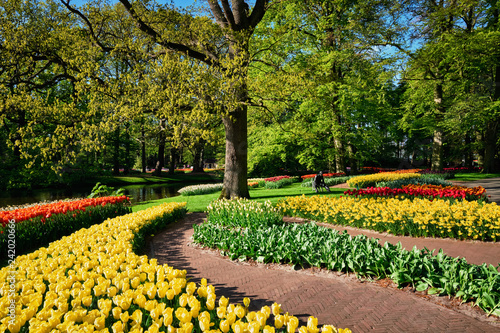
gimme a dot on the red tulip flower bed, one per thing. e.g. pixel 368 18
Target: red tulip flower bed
pixel 424 191
pixel 29 228
pixel 275 179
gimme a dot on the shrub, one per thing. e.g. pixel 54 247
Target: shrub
pixel 200 189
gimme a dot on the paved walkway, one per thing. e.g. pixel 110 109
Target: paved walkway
pixel 334 298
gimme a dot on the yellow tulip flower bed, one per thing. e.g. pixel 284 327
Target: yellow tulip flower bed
pixel 371 180
pixel 417 217
pixel 92 281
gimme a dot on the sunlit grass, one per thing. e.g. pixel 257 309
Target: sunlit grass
pixel 468 177
pixel 199 203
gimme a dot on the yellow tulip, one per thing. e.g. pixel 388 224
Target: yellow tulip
pixel 87 300
pixel 240 311
pixel 140 300
pixel 188 327
pixel 116 312
pixel 190 288
pixel 224 326
pixel 292 324
pixel 246 302
pixel 170 294
pixel 223 302
pixel 124 317
pixel 183 315
pixel 210 304
pixel 253 327
pixel 312 325
pixel 231 317
pixel 276 308
pixel 268 329
pixel 99 322
pixel 167 316
pixel 117 327
pixel 279 321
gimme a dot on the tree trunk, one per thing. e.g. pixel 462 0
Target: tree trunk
pixel 143 149
pixel 198 156
pixel 128 164
pixel 353 162
pixel 161 149
pixel 438 137
pixel 490 147
pixel 116 152
pixel 173 158
pixel 236 169
pixel 468 158
pixel 339 155
pixel 437 151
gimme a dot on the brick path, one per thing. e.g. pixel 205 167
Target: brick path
pixel 337 299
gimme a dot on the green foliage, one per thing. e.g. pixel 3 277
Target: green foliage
pixel 101 190
pixel 265 240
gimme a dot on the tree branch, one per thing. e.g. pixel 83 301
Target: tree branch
pixel 144 27
pixel 87 22
pixel 228 13
pixel 257 13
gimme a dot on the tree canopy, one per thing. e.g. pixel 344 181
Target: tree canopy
pixel 265 87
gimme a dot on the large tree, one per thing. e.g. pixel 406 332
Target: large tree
pixel 226 55
pixel 237 22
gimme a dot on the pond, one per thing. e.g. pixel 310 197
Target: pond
pixel 138 193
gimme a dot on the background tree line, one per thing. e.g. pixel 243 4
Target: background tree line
pixel 265 86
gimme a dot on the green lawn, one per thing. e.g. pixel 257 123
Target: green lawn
pixel 141 178
pixel 468 177
pixel 198 203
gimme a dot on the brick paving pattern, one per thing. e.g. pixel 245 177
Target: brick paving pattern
pixel 340 300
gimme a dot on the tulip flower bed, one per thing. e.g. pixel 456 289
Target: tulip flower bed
pixel 38 225
pixel 93 281
pixel 276 178
pixel 417 217
pixel 311 245
pixel 278 182
pixel 424 179
pixel 243 213
pixel 371 180
pixel 325 175
pixel 200 189
pixel 423 191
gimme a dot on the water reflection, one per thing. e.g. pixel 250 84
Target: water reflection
pixel 138 193
pixel 151 192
